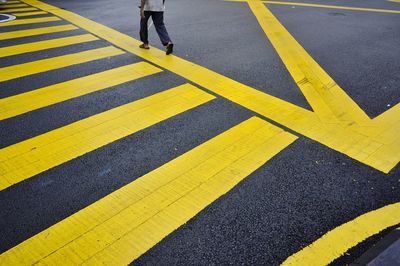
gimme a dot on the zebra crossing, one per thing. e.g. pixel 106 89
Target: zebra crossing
pixel 121 226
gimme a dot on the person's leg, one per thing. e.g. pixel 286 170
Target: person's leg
pixel 158 19
pixel 144 35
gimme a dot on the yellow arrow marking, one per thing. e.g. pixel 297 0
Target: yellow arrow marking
pixel 335 243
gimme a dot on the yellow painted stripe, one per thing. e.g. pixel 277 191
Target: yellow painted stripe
pixel 123 225
pixel 13 6
pixel 44 45
pixel 326 6
pixel 334 135
pixel 394 1
pixel 336 242
pixel 29 101
pixel 17 71
pixel 23 160
pixel 28 21
pixel 9 10
pixel 34 32
pixel 26 14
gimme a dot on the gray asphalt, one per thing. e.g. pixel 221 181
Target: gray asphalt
pixel 300 194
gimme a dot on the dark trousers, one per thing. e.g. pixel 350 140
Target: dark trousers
pixel 158 19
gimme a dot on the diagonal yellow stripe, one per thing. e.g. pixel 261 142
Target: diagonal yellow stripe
pixel 26 14
pixel 326 6
pixel 13 6
pixel 34 32
pixel 327 99
pixel 9 10
pixel 29 21
pixel 123 225
pixel 52 94
pixel 335 243
pixel 17 71
pixel 47 44
pixel 23 160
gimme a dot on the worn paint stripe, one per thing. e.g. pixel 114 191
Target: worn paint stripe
pixel 44 45
pixel 33 156
pixel 29 101
pixel 34 32
pixel 21 70
pixel 335 243
pixel 9 2
pixel 27 14
pixel 334 135
pixel 29 21
pixel 123 225
pixel 10 5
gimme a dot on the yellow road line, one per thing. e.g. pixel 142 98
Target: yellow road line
pixel 29 101
pixel 26 14
pixel 344 139
pixel 17 71
pixel 335 243
pixel 33 156
pixel 29 21
pixel 123 225
pixel 395 1
pixel 44 45
pixel 34 32
pixel 327 99
pixel 9 10
pixel 13 6
pixel 326 6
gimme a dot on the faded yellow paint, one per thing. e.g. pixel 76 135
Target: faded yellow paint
pixel 9 5
pixel 17 71
pixel 34 32
pixel 39 98
pixel 25 159
pixel 123 225
pixel 335 243
pixel 9 10
pixel 47 44
pixel 350 140
pixel 28 21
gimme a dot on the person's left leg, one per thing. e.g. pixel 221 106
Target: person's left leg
pixel 158 19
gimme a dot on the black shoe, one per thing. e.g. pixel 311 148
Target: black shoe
pixel 170 48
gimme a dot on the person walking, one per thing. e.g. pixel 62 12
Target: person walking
pixel 155 10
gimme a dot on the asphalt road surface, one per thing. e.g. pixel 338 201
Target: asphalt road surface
pixel 270 136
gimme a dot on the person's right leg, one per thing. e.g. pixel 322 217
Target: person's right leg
pixel 158 19
pixel 144 35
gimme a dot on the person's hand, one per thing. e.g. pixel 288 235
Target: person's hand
pixel 142 13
